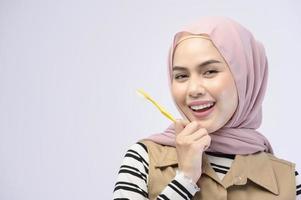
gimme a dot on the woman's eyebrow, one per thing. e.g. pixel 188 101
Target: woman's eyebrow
pixel 207 62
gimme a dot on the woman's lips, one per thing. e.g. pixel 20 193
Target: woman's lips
pixel 202 114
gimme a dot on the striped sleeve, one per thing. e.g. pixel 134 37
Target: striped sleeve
pixel 133 174
pixel 179 188
pixel 132 179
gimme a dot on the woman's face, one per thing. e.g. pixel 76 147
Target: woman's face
pixel 202 84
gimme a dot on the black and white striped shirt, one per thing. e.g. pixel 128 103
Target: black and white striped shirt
pixel 132 178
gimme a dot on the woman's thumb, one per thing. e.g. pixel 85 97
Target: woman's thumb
pixel 180 125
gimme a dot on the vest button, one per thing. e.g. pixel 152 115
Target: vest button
pixel 238 180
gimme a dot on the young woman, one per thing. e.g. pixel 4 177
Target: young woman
pixel 218 76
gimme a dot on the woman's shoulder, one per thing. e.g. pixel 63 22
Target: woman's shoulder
pixel 151 144
pixel 160 155
pixel 146 148
pixel 277 160
pixel 138 146
pixel 139 151
pixel 157 149
pixel 281 164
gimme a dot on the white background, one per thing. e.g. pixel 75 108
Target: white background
pixel 68 74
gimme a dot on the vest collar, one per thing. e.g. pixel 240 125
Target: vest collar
pixel 256 167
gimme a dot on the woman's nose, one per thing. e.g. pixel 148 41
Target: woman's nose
pixel 196 88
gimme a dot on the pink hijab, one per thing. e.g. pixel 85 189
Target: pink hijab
pixel 249 66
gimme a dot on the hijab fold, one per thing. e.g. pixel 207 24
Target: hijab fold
pixel 248 64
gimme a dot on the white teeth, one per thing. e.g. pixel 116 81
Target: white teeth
pixel 201 106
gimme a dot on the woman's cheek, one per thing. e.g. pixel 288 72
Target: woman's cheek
pixel 178 90
pixel 227 98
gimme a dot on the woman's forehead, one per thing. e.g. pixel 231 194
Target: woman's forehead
pixel 195 50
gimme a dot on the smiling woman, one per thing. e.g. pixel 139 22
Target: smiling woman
pixel 206 83
pixel 218 77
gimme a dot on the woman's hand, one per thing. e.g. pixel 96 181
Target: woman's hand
pixel 191 141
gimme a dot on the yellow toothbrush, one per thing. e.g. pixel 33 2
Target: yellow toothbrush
pixel 162 110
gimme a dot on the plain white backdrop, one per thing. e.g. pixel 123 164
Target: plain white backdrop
pixel 68 75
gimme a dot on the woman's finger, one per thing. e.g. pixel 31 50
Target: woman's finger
pixel 178 126
pixel 191 128
pixel 204 142
pixel 197 135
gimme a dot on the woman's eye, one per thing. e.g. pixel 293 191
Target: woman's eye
pixel 180 76
pixel 210 72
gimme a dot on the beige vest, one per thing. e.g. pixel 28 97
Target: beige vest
pixel 259 176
